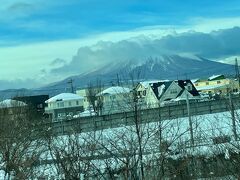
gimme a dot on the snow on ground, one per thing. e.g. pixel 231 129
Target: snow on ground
pixel 176 132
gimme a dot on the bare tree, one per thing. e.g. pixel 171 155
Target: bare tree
pixel 95 101
pixel 73 155
pixel 20 142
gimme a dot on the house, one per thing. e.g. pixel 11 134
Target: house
pixel 89 95
pixel 160 93
pixel 10 107
pixel 36 102
pixel 64 106
pixel 217 84
pixel 142 87
pixel 115 99
pixel 11 104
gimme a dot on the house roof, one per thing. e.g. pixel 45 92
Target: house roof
pixel 9 103
pixel 160 87
pixel 195 80
pixel 208 87
pixel 147 83
pixel 183 83
pixel 114 90
pixel 213 77
pixel 64 97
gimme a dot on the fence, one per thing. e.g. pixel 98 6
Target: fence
pixel 85 124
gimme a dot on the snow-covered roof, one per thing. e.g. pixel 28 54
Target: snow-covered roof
pixel 145 84
pixel 8 103
pixel 114 90
pixel 199 88
pixel 194 80
pixel 161 89
pixel 214 77
pixel 64 97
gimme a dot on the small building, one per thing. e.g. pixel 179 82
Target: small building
pixel 115 99
pixel 10 103
pixel 10 107
pixel 64 106
pixel 217 84
pixel 36 103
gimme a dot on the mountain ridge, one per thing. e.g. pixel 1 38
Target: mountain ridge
pixel 155 67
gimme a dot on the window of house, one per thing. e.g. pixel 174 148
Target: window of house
pixel 235 90
pixel 218 82
pixel 196 84
pixel 77 103
pixel 221 139
pixel 207 83
pixel 173 91
pixel 59 105
pixel 39 106
pixel 113 97
pixel 70 114
pixel 144 92
pixel 61 115
pixel 139 93
pixel 69 103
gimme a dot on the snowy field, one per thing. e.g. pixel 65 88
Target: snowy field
pixel 112 145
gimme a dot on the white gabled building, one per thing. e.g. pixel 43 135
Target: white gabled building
pixel 64 106
pixel 159 93
pixel 115 99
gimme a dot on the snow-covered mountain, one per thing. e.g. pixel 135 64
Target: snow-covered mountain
pixel 160 67
pixel 230 60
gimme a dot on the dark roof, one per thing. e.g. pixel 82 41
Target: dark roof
pixel 183 83
pixel 155 86
pixel 33 100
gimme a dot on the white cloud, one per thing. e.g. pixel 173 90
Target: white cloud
pixel 29 60
pixel 211 24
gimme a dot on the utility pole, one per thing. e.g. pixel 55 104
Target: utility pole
pixel 189 116
pixel 71 85
pixel 237 73
pixel 190 120
pixel 233 116
pixel 187 88
pixel 118 81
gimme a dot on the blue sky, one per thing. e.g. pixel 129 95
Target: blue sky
pixel 28 21
pixel 34 33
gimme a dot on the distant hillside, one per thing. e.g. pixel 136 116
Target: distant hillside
pixel 160 67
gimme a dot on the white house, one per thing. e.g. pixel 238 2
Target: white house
pixel 115 99
pixel 11 108
pixel 163 91
pixel 64 106
pixel 10 103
